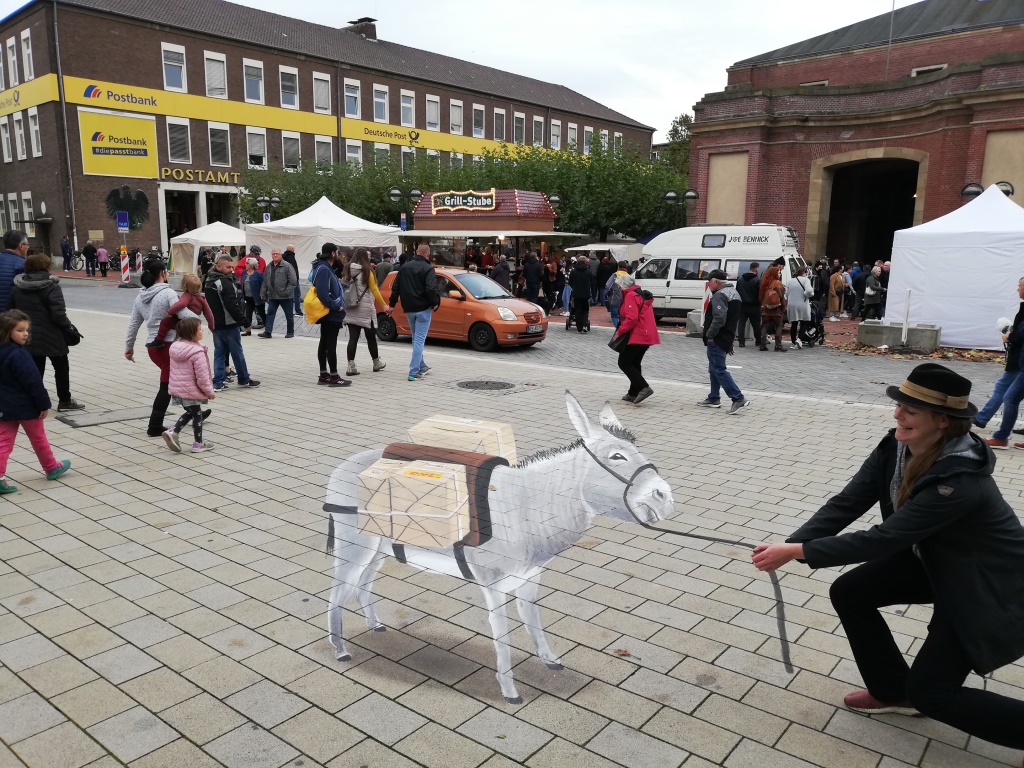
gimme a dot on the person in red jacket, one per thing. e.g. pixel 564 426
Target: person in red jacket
pixel 254 253
pixel 637 322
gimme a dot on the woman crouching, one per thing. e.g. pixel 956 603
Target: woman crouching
pixel 948 538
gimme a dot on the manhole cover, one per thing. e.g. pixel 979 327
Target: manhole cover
pixel 487 385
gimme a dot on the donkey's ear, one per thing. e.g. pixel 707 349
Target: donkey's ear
pixel 579 419
pixel 608 417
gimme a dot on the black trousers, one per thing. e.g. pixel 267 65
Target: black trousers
pixel 630 361
pixel 751 313
pixel 327 352
pixel 353 341
pixel 935 682
pixel 581 308
pixel 193 413
pixel 61 374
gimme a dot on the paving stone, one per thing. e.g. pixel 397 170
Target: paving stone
pixel 391 644
pixel 160 689
pixel 31 602
pixel 267 704
pixel 85 593
pixel 280 664
pixel 252 613
pixel 249 747
pixel 883 738
pixel 558 682
pixel 92 703
pixel 64 746
pixel 57 620
pixel 944 756
pixel 615 703
pixel 202 718
pixel 238 642
pixel 569 721
pixel 146 631
pixel 318 734
pixel 57 676
pixel 11 627
pixel 750 754
pixel 712 678
pixel 11 686
pixel 385 677
pixel 381 718
pixel 328 689
pixel 136 586
pixel 742 719
pixel 504 733
pixel 28 651
pixel 122 663
pixel 201 622
pixel 293 633
pixel 221 676
pixel 216 596
pixel 369 753
pixel 634 749
pixel 26 716
pixel 825 750
pixel 132 734
pixel 113 612
pixel 441 704
pixel 598 665
pixel 182 652
pixel 796 708
pixel 177 754
pixel 693 735
pixel 558 753
pixel 437 747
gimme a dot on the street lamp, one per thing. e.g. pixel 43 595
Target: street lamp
pixel 267 204
pixel 1005 187
pixel 972 190
pixel 672 199
pixel 413 195
pixel 554 200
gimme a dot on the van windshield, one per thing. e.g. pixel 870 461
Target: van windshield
pixel 656 269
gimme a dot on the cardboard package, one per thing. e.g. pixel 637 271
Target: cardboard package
pixel 418 503
pixel 493 438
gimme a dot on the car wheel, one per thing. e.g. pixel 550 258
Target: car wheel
pixel 386 328
pixel 482 338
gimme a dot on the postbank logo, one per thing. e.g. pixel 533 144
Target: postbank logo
pixel 124 146
pixel 93 92
pixel 11 100
pixel 98 136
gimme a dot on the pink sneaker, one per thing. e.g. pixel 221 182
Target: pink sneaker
pixel 862 701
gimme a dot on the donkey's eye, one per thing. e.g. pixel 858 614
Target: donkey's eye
pixel 617 457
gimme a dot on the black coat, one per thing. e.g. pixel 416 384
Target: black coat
pixel 39 295
pixel 415 286
pixel 749 287
pixel 501 274
pixel 533 271
pixel 582 280
pixel 22 394
pixel 289 257
pixel 970 542
pixel 224 295
pixel 1015 344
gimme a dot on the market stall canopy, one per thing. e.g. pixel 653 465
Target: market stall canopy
pixel 323 222
pixel 619 251
pixel 185 247
pixel 485 234
pixel 961 271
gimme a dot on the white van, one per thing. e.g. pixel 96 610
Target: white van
pixel 678 262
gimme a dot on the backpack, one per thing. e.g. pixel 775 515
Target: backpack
pixel 772 300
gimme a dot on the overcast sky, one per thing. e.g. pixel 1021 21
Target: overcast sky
pixel 650 60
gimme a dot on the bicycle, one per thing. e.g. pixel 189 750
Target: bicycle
pixel 77 261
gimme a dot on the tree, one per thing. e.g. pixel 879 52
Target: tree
pixel 677 153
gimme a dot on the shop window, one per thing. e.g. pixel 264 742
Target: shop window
pixel 538 131
pixel 382 153
pixel 12 62
pixel 588 139
pixel 321 93
pixel 291 152
pixel 354 152
pixel 455 117
pixel 33 132
pixel 220 144
pixel 556 134
pixel 5 139
pixel 324 151
pixel 408 109
pixel 12 205
pixel 256 146
pixel 352 99
pixel 179 147
pixel 29 224
pixel 380 103
pixel 253 72
pixel 216 75
pixel 27 65
pixel 518 128
pixel 433 113
pixel 499 124
pixel 174 67
pixel 289 87
pixel 479 117
pixel 456 159
pixel 570 137
pixel 19 136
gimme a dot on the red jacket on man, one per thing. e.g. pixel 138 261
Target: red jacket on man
pixel 240 266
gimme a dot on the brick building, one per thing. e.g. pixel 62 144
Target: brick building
pixel 177 99
pixel 848 138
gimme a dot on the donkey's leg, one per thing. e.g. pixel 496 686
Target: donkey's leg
pixel 499 628
pixel 526 596
pixel 350 561
pixel 365 594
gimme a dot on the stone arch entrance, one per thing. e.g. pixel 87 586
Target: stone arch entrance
pixel 858 199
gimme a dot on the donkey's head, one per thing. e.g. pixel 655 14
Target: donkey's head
pixel 620 482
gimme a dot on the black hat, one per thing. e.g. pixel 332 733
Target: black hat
pixel 936 388
pixel 717 274
pixel 328 249
pixel 779 262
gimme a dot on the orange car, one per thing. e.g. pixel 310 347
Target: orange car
pixel 473 308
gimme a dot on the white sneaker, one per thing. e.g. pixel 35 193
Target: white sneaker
pixel 172 440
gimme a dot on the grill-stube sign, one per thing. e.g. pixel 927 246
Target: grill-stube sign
pixel 470 200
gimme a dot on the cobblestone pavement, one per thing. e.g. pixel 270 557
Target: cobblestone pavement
pixel 164 609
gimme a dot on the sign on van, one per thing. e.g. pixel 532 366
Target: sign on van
pixel 750 239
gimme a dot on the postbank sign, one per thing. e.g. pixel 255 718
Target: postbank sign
pixel 117 144
pixel 470 200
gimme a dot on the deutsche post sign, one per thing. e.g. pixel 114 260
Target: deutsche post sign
pixel 117 144
pixel 470 200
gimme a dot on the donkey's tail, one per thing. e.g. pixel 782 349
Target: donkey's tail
pixel 332 510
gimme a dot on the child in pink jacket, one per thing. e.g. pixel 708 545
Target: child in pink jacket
pixel 191 384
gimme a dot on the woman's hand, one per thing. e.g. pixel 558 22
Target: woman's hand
pixel 770 557
pixel 129 354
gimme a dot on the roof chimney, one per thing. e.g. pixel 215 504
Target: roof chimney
pixel 365 27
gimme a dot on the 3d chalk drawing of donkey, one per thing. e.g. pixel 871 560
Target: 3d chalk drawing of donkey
pixel 538 507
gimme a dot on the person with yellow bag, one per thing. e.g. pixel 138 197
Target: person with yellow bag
pixel 324 305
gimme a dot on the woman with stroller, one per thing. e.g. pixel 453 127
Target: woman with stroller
pixel 799 292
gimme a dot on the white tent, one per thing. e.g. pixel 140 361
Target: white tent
pixel 961 271
pixel 185 247
pixel 323 222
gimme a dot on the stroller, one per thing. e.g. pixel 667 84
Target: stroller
pixel 570 313
pixel 813 332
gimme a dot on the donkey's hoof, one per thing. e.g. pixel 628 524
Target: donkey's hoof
pixel 344 657
pixel 513 700
pixel 380 628
pixel 553 665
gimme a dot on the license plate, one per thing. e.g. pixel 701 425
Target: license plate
pixel 534 328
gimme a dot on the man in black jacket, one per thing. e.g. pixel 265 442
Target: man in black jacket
pixel 533 271
pixel 748 287
pixel 583 282
pixel 501 273
pixel 415 286
pixel 289 257
pixel 223 295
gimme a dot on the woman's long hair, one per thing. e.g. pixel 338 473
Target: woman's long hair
pixel 152 267
pixel 362 258
pixel 771 276
pixel 920 463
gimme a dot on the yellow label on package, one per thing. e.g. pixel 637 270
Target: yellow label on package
pixel 416 473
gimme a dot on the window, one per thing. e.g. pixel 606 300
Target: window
pixel 518 128
pixel 381 153
pixel 435 156
pixel 5 139
pixel 321 93
pixel 455 117
pixel 570 137
pixel 408 153
pixel 354 152
pixel 588 139
pixel 289 87
pixel 179 148
pixel 655 269
pixel 253 72
pixel 456 159
pixel 695 269
pixel 216 75
pixel 380 103
pixel 27 66
pixel 3 216
pixel 538 131
pixel 33 132
pixel 12 62
pixel 556 134
pixel 29 214
pixel 815 83
pixel 256 146
pixel 499 124
pixel 712 241
pixel 1 88
pixel 916 71
pixel 220 144
pixel 478 160
pixel 19 136
pixel 604 140
pixel 617 143
pixel 408 109
pixel 324 151
pixel 479 116
pixel 174 67
pixel 291 153
pixel 433 113
pixel 352 99
pixel 12 204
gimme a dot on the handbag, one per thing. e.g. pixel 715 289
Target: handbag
pixel 619 342
pixel 869 291
pixel 313 308
pixel 352 294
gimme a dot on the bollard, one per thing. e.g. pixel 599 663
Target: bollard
pixel 124 269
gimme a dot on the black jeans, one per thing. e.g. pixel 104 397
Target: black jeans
pixel 630 361
pixel 751 313
pixel 581 308
pixel 90 266
pixel 353 341
pixel 103 267
pixel 193 413
pixel 872 311
pixel 934 684
pixel 794 330
pixel 327 352
pixel 61 374
pixel 253 308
